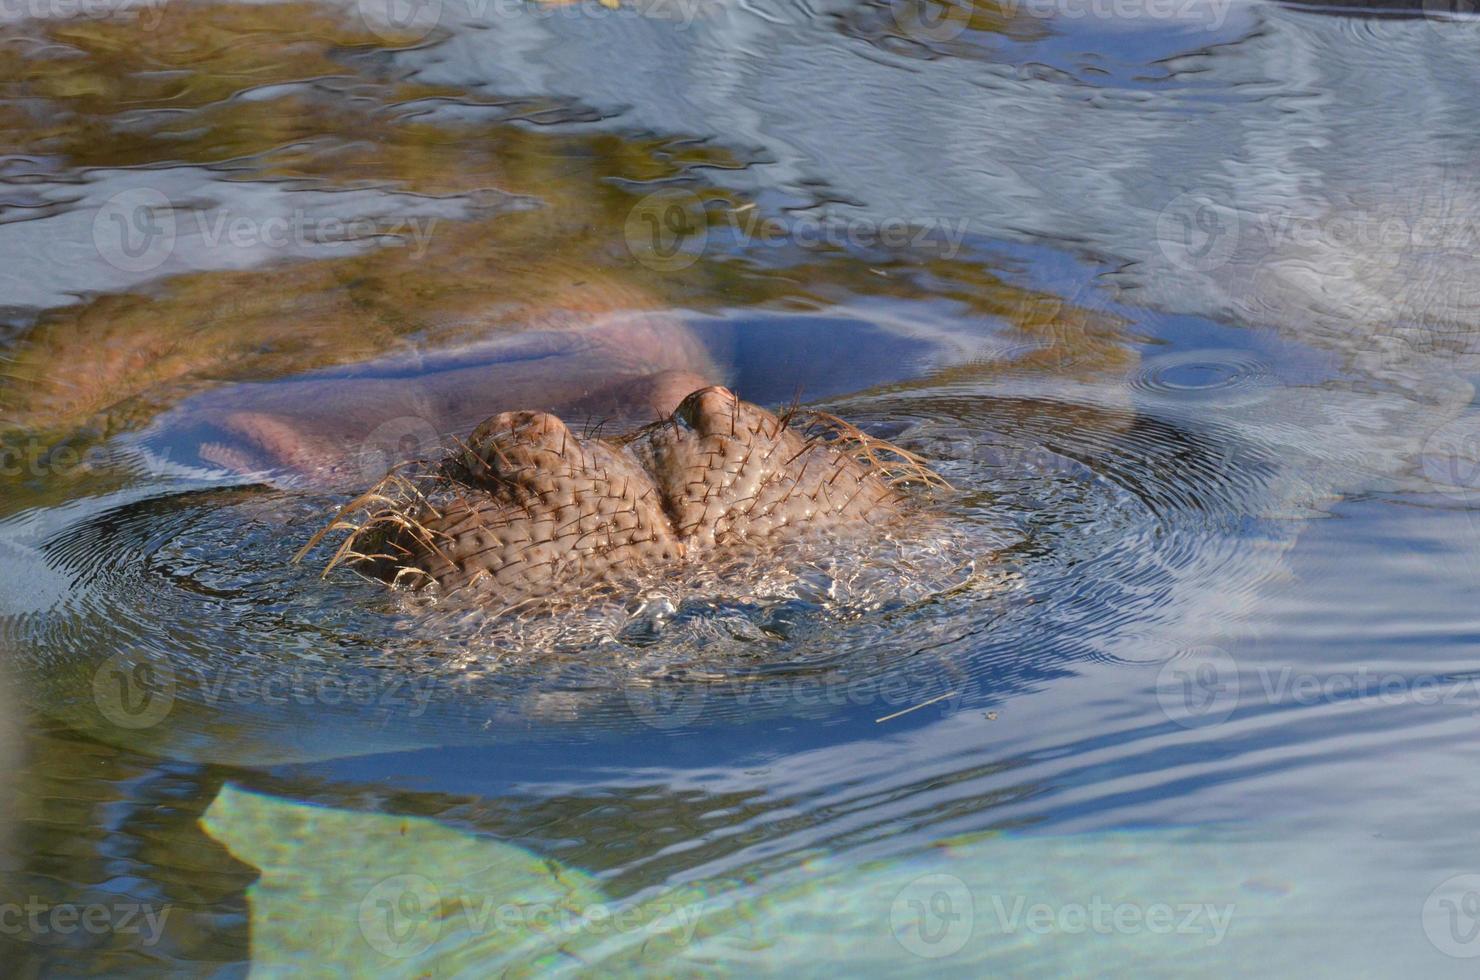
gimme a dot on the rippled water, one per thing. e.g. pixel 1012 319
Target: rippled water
pixel 1179 298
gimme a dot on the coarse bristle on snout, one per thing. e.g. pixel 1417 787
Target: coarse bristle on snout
pixel 526 509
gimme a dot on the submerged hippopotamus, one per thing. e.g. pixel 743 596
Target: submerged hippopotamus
pixel 527 511
pixel 339 429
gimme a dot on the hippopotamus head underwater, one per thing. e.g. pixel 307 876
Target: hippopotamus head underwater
pixel 527 513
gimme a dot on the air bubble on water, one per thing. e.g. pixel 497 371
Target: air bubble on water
pixel 816 585
pixel 647 621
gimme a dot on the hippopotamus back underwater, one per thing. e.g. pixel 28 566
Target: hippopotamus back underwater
pixel 526 512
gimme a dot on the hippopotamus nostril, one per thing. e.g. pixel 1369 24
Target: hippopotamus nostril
pixel 709 411
pixel 526 435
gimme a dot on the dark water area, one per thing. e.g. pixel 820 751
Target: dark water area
pixel 1178 677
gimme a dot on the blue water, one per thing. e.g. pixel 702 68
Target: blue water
pixel 1180 298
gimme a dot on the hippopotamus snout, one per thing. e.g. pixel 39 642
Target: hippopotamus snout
pixel 528 508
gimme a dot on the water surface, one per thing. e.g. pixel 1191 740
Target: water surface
pixel 1181 302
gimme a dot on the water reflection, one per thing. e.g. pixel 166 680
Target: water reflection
pixel 1183 303
pixel 109 868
